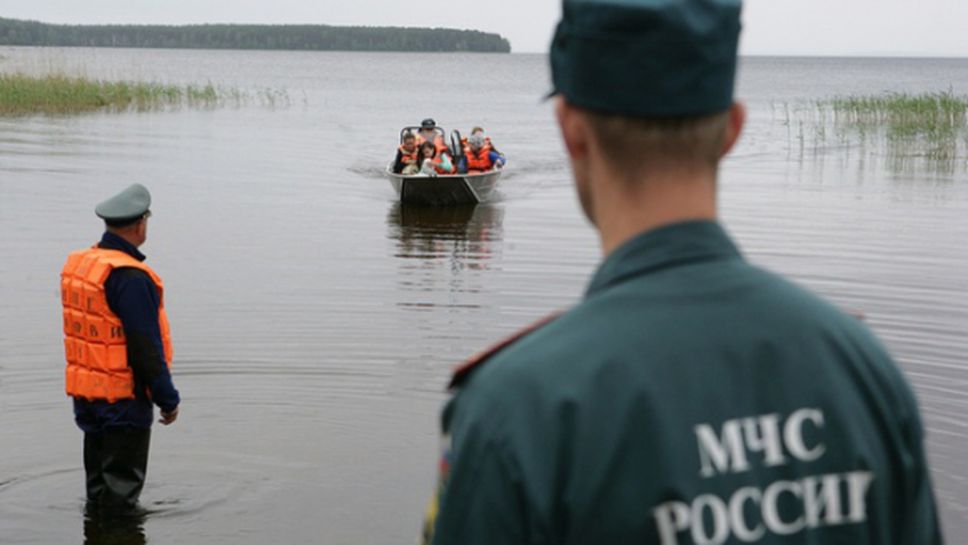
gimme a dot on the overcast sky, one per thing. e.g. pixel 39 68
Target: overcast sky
pixel 771 27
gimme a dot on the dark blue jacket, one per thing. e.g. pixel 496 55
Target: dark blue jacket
pixel 133 297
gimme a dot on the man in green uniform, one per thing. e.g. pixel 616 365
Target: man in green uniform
pixel 690 398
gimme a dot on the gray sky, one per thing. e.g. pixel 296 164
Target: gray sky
pixel 781 27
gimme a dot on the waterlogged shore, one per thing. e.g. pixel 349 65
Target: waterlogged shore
pixel 61 94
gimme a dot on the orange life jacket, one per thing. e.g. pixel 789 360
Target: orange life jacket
pixel 480 161
pixel 407 157
pixel 438 143
pixel 487 144
pixel 94 343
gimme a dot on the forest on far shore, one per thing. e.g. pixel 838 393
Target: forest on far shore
pixel 231 36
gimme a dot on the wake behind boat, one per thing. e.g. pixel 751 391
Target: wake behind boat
pixel 437 174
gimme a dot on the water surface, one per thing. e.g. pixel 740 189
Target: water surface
pixel 316 320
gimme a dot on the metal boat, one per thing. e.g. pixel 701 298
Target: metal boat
pixel 444 189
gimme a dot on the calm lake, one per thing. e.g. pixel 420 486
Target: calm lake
pixel 316 320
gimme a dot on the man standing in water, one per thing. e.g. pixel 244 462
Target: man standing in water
pixel 118 350
pixel 690 398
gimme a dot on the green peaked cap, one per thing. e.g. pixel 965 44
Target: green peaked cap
pixel 128 205
pixel 647 58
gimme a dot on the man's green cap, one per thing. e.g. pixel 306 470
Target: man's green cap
pixel 647 58
pixel 125 207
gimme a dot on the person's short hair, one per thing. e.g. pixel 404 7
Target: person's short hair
pixel 408 136
pixel 638 142
pixel 477 130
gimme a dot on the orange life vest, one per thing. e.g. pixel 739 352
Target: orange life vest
pixel 407 157
pixel 94 343
pixel 480 161
pixel 487 144
pixel 438 143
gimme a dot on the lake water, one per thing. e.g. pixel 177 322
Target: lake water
pixel 316 320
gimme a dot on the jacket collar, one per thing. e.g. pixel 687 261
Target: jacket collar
pixel 661 248
pixel 110 241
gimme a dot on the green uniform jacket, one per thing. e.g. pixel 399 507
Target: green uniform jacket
pixel 690 398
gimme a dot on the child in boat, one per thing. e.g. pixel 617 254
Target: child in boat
pixel 406 154
pixel 479 155
pixel 432 163
pixel 428 153
pixel 487 139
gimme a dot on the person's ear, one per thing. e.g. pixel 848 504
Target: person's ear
pixel 574 129
pixel 734 126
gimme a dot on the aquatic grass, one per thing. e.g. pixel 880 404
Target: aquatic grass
pixel 938 118
pixel 22 94
pixel 925 112
pixel 928 129
pixel 60 94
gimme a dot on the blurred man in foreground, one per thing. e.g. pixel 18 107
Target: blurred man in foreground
pixel 690 398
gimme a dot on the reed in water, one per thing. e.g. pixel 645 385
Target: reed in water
pixel 912 131
pixel 58 94
pixel 934 115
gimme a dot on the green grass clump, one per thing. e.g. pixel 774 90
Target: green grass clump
pixel 919 132
pixel 22 94
pixel 936 116
pixel 57 94
pixel 930 127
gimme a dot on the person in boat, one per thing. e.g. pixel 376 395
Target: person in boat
pixel 406 153
pixel 428 133
pixel 690 397
pixel 433 163
pixel 479 156
pixel 428 153
pixel 487 139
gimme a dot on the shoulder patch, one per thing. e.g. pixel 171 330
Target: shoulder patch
pixel 462 371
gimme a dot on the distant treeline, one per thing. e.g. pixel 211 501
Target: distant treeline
pixel 292 37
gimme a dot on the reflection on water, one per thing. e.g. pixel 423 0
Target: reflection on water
pixel 461 235
pixel 442 251
pixel 107 529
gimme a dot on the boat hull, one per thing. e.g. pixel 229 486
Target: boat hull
pixel 445 190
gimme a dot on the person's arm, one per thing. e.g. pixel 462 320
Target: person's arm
pixel 917 520
pixel 921 516
pixel 497 159
pixel 480 497
pixel 446 164
pixel 133 297
pixel 398 163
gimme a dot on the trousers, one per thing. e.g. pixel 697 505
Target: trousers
pixel 116 462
